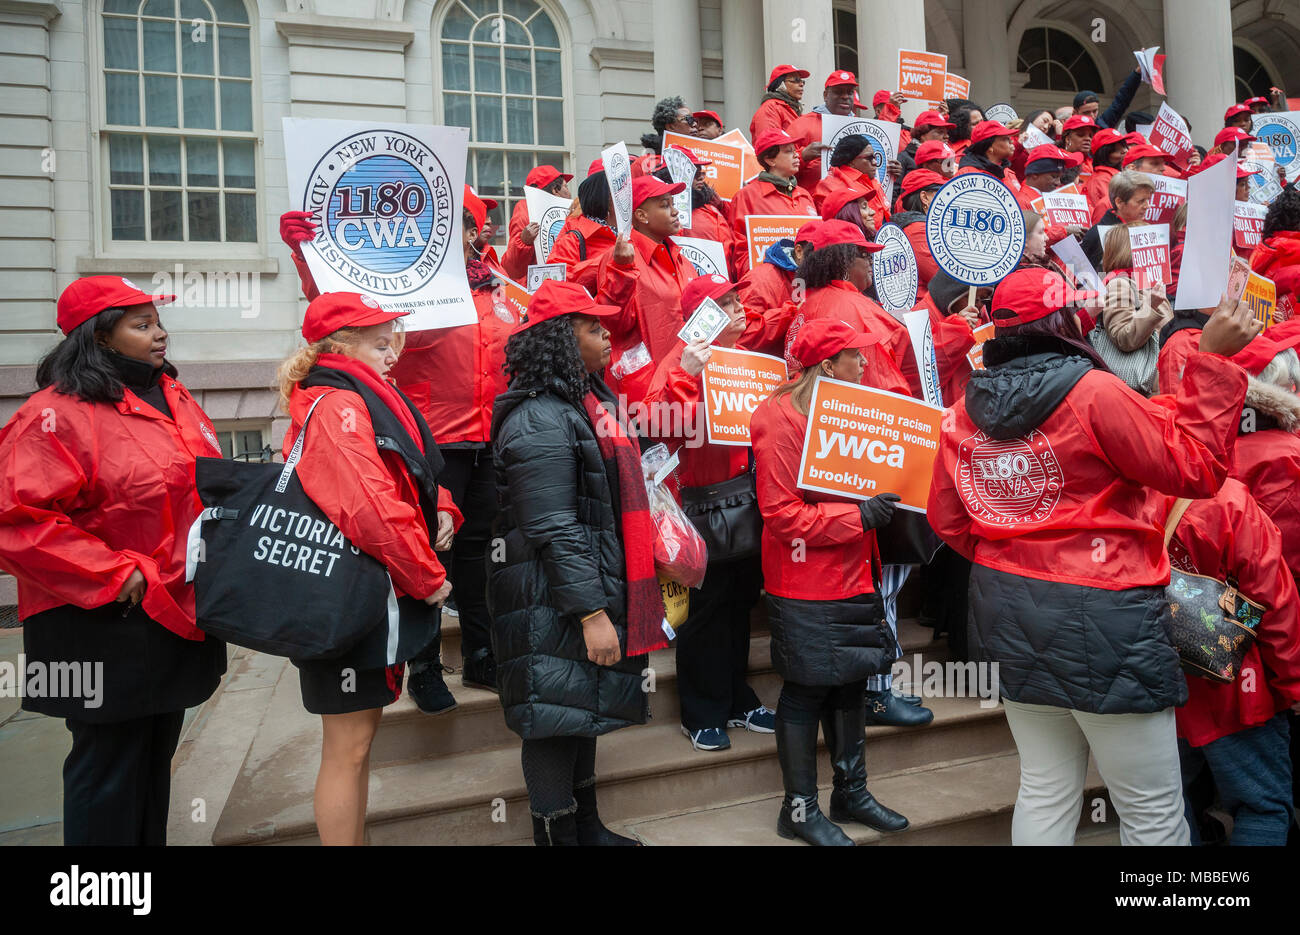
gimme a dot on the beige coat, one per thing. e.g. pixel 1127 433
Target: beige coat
pixel 1132 314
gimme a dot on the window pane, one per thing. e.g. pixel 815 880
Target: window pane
pixel 240 169
pixel 236 105
pixel 125 160
pixel 519 71
pixel 121 6
pixel 489 172
pixel 235 59
pixel 550 123
pixel 119 42
pixel 519 9
pixel 519 120
pixel 205 216
pixel 200 103
pixel 520 164
pixel 455 66
pixel 482 7
pixel 128 215
pixel 516 34
pixel 160 101
pixel 122 99
pixel 164 160
pixel 196 57
pixel 548 74
pixel 230 11
pixel 159 46
pixel 224 440
pixel 201 163
pixel 159 8
pixel 456 110
pixel 241 218
pixel 487 68
pixel 165 215
pixel 543 31
pixel 487 114
pixel 192 10
pixel 458 23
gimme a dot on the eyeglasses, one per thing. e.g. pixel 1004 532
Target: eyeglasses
pixel 869 156
pixel 796 79
pixel 687 119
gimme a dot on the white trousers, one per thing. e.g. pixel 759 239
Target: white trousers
pixel 1136 754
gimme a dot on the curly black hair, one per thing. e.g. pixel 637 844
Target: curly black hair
pixel 827 264
pixel 961 123
pixel 848 149
pixel 546 356
pixel 666 113
pixel 78 366
pixel 1283 213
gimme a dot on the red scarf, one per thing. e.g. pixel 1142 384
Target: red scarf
pixel 381 388
pixel 645 606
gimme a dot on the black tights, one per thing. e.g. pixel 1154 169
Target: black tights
pixel 553 768
pixel 805 704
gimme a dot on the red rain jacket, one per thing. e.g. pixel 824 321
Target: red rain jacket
pixel 369 496
pixel 1094 469
pixel 814 546
pixel 1174 353
pixel 895 368
pixel 519 255
pixel 765 293
pixel 926 268
pixel 1278 258
pixel 580 246
pixel 772 114
pixel 1098 191
pixel 1268 463
pixel 762 197
pixel 91 491
pixel 843 177
pixel 709 223
pixel 1230 534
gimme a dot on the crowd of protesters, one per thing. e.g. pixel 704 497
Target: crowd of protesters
pixel 518 430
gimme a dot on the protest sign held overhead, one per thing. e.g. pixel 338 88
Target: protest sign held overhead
pixel 921 75
pixel 1003 114
pixel 707 256
pixel 735 382
pixel 548 212
pixel 1169 134
pixel 1281 132
pixel 955 85
pixel 763 230
pixel 618 173
pixel 1152 67
pixel 862 441
pixel 975 229
pixel 388 199
pixel 894 269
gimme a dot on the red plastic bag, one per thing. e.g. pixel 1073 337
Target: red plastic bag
pixel 680 552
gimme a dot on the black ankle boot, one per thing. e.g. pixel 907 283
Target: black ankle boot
pixel 591 833
pixel 796 749
pixel 425 682
pixel 850 800
pixel 480 670
pixel 557 831
pixel 886 708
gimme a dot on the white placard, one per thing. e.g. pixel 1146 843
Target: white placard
pixel 1211 203
pixel 707 256
pixel 918 328
pixel 618 173
pixel 882 135
pixel 1076 261
pixel 548 212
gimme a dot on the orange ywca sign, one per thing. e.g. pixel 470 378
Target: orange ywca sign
pixel 862 442
pixel 726 175
pixel 921 75
pixel 736 381
pixel 515 297
pixel 763 230
pixel 975 356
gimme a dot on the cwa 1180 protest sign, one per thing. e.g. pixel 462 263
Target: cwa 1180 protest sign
pixel 709 257
pixel 735 382
pixel 862 441
pixel 548 212
pixel 894 270
pixel 1281 132
pixel 882 135
pixel 975 229
pixel 388 201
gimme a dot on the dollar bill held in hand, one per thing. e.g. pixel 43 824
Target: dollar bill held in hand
pixel 707 323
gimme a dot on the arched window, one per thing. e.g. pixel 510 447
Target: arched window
pixel 1251 79
pixel 178 135
pixel 502 75
pixel 1055 61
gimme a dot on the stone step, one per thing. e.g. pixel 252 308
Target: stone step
pixel 406 733
pixel 644 772
pixel 961 802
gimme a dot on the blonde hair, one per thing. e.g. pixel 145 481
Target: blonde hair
pixel 1125 185
pixel 295 368
pixel 1180 218
pixel 801 387
pixel 1117 252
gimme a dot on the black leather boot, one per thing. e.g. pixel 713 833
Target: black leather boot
pixel 556 831
pixel 591 833
pixel 886 708
pixel 796 749
pixel 846 739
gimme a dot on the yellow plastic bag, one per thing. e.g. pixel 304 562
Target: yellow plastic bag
pixel 677 598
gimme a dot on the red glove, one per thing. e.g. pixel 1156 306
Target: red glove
pixel 295 227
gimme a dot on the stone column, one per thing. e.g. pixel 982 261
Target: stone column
pixel 884 27
pixel 679 66
pixel 743 69
pixel 1198 70
pixel 984 39
pixel 800 33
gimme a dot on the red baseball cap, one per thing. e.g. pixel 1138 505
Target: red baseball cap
pixel 928 118
pixel 823 338
pixel 1080 122
pixel 987 129
pixel 695 159
pixel 1108 137
pixel 918 179
pixel 806 233
pixel 780 71
pixel 541 176
pixel 330 311
pixel 710 286
pixel 932 149
pixel 648 186
pixel 707 115
pixel 771 138
pixel 1255 100
pixel 1025 293
pixel 832 232
pixel 555 298
pixel 837 199
pixel 880 97
pixel 1235 110
pixel 87 297
pixel 647 165
pixel 841 77
pixel 1144 151
pixel 597 165
pixel 1214 160
pixel 1053 153
pixel 475 206
pixel 1232 134
pixel 489 203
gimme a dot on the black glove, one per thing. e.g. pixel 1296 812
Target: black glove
pixel 879 510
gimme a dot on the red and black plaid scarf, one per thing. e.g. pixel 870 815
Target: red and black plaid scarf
pixel 645 606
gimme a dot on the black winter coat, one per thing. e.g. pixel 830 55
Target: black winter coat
pixel 563 559
pixel 829 642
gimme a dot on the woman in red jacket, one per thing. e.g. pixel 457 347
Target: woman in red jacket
pixel 990 150
pixel 775 190
pixel 1049 479
pixel 520 253
pixel 1278 253
pixel 96 499
pixel 918 189
pixel 713 644
pixel 588 234
pixel 387 504
pixel 782 103
pixel 820 567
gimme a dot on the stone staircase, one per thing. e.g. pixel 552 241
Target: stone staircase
pixel 456 778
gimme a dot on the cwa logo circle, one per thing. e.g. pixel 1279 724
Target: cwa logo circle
pixel 1009 481
pixel 386 204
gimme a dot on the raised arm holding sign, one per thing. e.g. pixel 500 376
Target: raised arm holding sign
pixel 618 173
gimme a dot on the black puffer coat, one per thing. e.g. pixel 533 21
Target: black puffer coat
pixel 829 642
pixel 563 559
